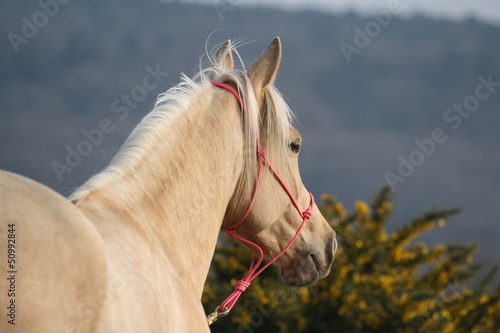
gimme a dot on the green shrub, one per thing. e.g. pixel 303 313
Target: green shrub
pixel 380 282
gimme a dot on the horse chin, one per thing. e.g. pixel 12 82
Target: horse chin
pixel 301 274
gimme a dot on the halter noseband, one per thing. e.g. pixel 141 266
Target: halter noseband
pixel 254 269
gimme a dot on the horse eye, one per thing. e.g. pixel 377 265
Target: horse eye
pixel 295 146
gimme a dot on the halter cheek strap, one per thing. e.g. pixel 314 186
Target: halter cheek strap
pixel 254 269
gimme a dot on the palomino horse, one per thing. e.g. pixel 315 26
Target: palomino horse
pixel 131 248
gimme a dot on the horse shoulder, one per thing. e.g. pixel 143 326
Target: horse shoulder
pixel 59 277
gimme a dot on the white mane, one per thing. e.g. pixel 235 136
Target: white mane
pixel 169 105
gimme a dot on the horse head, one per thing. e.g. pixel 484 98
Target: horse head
pixel 281 202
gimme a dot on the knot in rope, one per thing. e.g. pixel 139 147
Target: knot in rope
pixel 231 231
pixel 261 151
pixel 241 285
pixel 306 214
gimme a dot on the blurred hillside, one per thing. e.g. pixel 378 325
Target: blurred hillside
pixel 71 67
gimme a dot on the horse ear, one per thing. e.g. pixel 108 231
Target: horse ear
pixel 224 56
pixel 264 69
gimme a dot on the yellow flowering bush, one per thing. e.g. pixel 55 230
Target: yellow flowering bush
pixel 381 282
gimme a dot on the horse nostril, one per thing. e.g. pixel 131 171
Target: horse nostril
pixel 315 260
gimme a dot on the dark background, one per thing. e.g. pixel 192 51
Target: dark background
pixel 357 117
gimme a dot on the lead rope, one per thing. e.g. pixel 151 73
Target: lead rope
pixel 254 270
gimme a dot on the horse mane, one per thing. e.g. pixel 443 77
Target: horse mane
pixel 172 103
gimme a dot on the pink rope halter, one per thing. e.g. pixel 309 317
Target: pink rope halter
pixel 254 269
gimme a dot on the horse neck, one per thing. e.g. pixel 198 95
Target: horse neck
pixel 176 198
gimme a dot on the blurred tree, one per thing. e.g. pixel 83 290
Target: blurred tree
pixel 381 282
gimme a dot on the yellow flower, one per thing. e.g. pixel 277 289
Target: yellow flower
pixel 339 209
pixel 382 236
pixel 361 208
pixel 484 299
pixel 326 197
pixel 302 324
pixel 388 206
pixel 304 295
pixel 373 320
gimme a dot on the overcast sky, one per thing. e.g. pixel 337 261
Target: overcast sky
pixel 484 10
